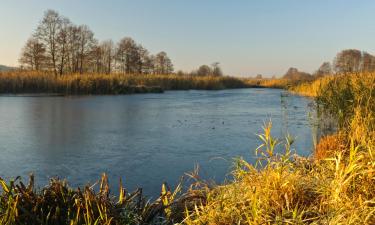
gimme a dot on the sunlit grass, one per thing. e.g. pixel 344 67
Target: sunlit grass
pixel 45 82
pixel 310 88
pixel 333 186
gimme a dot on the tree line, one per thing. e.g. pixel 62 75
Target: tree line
pixel 346 61
pixel 60 46
pixel 205 70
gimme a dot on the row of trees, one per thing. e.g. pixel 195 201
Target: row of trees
pixel 60 46
pixel 346 61
pixel 205 70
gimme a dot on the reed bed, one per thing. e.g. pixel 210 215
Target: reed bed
pixel 333 186
pixel 279 83
pixel 58 203
pixel 71 84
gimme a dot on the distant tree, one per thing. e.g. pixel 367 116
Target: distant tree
pixel 368 62
pixel 348 61
pixel 294 74
pixel 162 64
pixel 87 43
pixel 145 61
pixel 148 64
pixel 73 49
pixel 33 54
pixel 108 51
pixel 127 55
pixel 97 59
pixel 259 76
pixel 324 69
pixel 47 33
pixel 180 73
pixel 62 45
pixel 204 70
pixel 216 70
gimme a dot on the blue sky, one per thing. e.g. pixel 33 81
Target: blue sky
pixel 247 37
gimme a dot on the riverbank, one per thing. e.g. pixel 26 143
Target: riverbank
pixel 29 82
pixel 18 82
pixel 333 186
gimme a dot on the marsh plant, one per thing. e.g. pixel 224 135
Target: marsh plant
pixel 333 186
pixel 91 83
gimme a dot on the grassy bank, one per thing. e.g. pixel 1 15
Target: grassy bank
pixel 43 82
pixel 279 83
pixel 334 186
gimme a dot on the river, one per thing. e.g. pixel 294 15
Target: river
pixel 146 138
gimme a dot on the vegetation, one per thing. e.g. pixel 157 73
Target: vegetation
pixel 333 186
pixel 70 84
pixel 57 203
pixel 61 47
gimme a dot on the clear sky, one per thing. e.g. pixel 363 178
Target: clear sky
pixel 247 37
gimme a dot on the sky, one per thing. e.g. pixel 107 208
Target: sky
pixel 247 37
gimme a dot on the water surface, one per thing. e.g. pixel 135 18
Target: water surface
pixel 145 139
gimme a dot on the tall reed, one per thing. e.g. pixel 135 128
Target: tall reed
pixel 335 187
pixel 44 82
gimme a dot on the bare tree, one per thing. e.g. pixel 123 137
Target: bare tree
pixel 97 59
pixel 216 70
pixel 163 64
pixel 73 49
pixel 86 44
pixel 348 61
pixel 204 70
pixel 108 55
pixel 145 63
pixel 62 45
pixel 33 54
pixel 127 56
pixel 47 32
pixel 368 62
pixel 324 69
pixel 295 74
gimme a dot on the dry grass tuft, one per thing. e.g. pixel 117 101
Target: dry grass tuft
pixel 329 146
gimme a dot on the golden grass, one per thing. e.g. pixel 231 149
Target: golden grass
pixel 270 83
pixel 44 82
pixel 330 145
pixel 336 187
pixel 310 88
pixel 57 203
